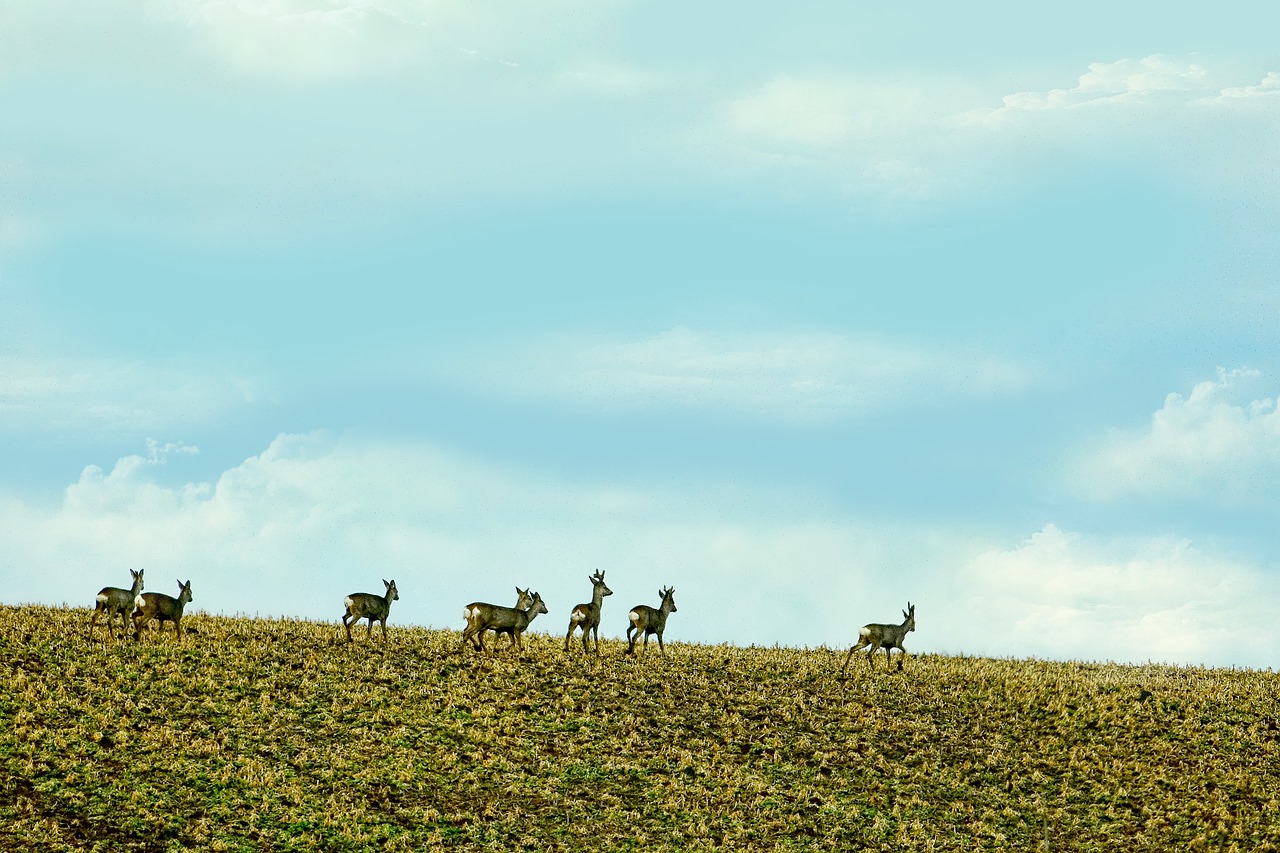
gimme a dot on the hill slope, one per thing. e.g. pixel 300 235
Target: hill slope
pixel 253 734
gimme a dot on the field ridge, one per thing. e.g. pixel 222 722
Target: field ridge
pixel 271 734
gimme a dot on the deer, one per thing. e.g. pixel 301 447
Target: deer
pixel 483 617
pixel 112 600
pixel 587 616
pixel 157 605
pixel 368 605
pixel 650 620
pixel 887 637
pixel 523 600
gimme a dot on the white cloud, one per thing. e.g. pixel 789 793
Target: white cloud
pixel 799 378
pixel 318 41
pixel 878 134
pixel 1269 87
pixel 1126 80
pixel 309 40
pixel 1061 594
pixel 118 395
pixel 1219 443
pixel 1194 118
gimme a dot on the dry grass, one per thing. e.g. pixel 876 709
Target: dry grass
pixel 273 735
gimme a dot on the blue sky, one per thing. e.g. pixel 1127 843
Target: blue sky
pixel 807 317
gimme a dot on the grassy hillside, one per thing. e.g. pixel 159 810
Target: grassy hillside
pixel 273 735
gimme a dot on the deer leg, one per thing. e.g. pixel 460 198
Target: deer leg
pixel 384 631
pixel 849 657
pixel 661 648
pixel 569 634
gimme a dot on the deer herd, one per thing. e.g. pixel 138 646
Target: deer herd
pixel 481 617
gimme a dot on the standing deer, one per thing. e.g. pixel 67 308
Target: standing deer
pixel 650 620
pixel 887 637
pixel 523 600
pixel 157 605
pixel 367 605
pixel 112 600
pixel 483 617
pixel 587 616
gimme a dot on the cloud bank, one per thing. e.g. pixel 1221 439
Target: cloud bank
pixel 1065 595
pixel 313 517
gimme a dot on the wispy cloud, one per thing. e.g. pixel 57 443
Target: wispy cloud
pixel 119 395
pixel 928 136
pixel 799 378
pixel 1126 83
pixel 1218 444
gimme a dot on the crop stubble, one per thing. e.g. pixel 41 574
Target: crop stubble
pixel 274 735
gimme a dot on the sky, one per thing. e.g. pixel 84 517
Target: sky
pixel 808 316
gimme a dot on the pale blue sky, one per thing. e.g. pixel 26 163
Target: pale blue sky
pixel 806 316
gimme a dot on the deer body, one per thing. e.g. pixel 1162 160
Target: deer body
pixel 157 605
pixel 475 611
pixel 650 620
pixel 367 605
pixel 112 600
pixel 587 616
pixel 887 637
pixel 483 617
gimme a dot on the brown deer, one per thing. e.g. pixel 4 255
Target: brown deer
pixel 112 600
pixel 587 616
pixel 483 617
pixel 367 605
pixel 650 620
pixel 523 600
pixel 887 637
pixel 165 608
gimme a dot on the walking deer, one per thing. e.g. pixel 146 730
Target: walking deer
pixel 112 600
pixel 367 605
pixel 887 637
pixel 165 608
pixel 650 620
pixel 483 617
pixel 587 616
